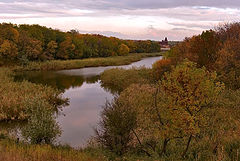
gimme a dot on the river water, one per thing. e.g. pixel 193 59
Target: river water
pixel 86 98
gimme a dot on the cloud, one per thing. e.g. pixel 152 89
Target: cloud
pixel 152 19
pixel 139 4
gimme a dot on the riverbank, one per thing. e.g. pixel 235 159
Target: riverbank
pixel 82 63
pixel 16 96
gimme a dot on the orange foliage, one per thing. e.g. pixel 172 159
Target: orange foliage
pixel 160 67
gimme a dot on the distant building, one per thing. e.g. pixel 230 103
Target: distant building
pixel 164 44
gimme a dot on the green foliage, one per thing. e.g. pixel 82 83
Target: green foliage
pixel 115 129
pixel 42 126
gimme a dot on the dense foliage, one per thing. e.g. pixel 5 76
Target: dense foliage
pixel 23 43
pixel 217 50
pixel 187 106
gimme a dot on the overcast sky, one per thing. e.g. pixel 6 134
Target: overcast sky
pixel 127 19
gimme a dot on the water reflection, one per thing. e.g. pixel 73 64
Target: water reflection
pixel 86 96
pixel 56 79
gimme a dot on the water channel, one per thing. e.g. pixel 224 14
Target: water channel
pixel 86 97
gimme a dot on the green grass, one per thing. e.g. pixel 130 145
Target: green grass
pixel 81 63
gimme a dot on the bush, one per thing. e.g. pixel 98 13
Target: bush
pixel 116 126
pixel 42 126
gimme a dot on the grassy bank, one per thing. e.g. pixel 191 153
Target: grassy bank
pixel 81 63
pixel 12 151
pixel 15 96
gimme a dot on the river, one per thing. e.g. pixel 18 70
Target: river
pixel 86 97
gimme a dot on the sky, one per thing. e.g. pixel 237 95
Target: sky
pixel 126 19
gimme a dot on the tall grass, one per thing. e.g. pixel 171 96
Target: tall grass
pixel 12 151
pixel 81 63
pixel 15 95
pixel 118 79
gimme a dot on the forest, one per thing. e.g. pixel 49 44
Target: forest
pixel 24 43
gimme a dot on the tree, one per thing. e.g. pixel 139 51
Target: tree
pixel 160 67
pixel 8 50
pixel 8 32
pixel 66 48
pixel 115 129
pixel 51 50
pixel 178 107
pixel 186 97
pixel 123 50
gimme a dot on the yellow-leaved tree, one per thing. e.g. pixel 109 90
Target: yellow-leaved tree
pixel 178 107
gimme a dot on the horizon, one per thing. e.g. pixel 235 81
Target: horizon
pixel 124 19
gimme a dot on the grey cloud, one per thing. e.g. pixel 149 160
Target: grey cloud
pixel 192 25
pixel 105 33
pixel 153 4
pixel 135 4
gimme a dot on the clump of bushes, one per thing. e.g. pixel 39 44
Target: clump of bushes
pixel 14 96
pixel 188 114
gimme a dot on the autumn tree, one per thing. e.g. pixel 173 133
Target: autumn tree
pixel 178 107
pixel 50 52
pixel 186 96
pixel 39 43
pixel 8 50
pixel 65 49
pixel 8 32
pixel 160 67
pixel 228 60
pixel 123 49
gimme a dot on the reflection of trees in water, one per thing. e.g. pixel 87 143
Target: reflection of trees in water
pixel 112 89
pixel 55 80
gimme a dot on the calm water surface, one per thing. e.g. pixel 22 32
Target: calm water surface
pixel 86 97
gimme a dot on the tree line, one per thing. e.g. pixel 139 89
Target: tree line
pixel 23 43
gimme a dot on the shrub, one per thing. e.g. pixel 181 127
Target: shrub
pixel 42 126
pixel 115 128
